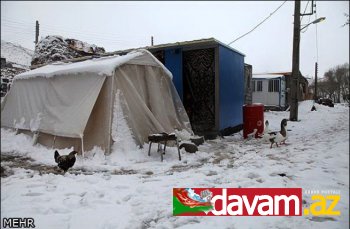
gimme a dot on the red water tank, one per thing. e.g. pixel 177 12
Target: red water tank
pixel 253 118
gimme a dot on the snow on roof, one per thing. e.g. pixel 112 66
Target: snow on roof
pixel 267 76
pixel 204 41
pixel 100 66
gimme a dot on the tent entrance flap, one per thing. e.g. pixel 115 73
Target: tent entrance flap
pixel 151 104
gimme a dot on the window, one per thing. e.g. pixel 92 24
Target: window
pixel 253 85
pixel 274 85
pixel 259 85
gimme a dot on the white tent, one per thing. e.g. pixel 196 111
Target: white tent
pixel 71 104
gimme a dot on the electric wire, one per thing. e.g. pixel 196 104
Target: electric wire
pixel 307 27
pixel 89 35
pixel 69 34
pixel 304 11
pixel 67 29
pixel 258 24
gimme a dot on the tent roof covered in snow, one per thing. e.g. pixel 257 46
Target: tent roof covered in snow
pixel 76 104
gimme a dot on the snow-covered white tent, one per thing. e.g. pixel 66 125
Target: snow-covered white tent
pixel 73 104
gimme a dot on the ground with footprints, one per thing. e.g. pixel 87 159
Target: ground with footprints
pixel 132 190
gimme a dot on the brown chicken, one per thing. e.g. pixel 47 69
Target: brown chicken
pixel 65 161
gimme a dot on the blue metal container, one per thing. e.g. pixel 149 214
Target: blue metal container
pixel 209 78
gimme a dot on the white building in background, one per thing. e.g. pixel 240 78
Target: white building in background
pixel 270 90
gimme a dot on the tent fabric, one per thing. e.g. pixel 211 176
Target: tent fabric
pixel 151 103
pixel 46 105
pixel 73 103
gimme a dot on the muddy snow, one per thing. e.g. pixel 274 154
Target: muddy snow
pixel 132 190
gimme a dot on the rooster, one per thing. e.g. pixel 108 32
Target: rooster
pixel 65 161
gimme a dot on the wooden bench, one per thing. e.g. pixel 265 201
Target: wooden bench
pixel 162 138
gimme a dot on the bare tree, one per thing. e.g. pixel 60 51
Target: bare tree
pixel 347 22
pixel 342 78
pixel 335 84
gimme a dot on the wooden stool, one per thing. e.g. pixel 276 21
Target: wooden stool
pixel 162 137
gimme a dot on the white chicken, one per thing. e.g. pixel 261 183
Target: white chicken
pixel 265 134
pixel 251 135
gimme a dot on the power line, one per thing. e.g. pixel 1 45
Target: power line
pixel 304 11
pixel 17 28
pixel 94 36
pixel 52 30
pixel 67 29
pixel 91 38
pixel 16 21
pixel 22 29
pixel 304 30
pixel 309 17
pixel 259 23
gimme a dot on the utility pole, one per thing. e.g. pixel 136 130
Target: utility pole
pixel 36 32
pixel 294 81
pixel 151 40
pixel 316 70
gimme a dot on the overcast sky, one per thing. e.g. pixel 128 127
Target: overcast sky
pixel 121 25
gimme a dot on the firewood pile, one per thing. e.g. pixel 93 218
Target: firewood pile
pixel 57 48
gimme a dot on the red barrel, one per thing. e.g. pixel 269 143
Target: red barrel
pixel 253 118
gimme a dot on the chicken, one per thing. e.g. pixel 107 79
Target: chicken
pixel 251 135
pixel 65 161
pixel 189 147
pixel 265 134
pixel 280 136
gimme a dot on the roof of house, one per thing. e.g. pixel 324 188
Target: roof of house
pixel 265 76
pixel 206 41
pixel 274 75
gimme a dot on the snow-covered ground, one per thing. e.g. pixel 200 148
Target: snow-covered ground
pixel 128 189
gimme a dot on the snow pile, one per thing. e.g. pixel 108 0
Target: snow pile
pixel 16 54
pixel 124 147
pixel 137 193
pixel 57 48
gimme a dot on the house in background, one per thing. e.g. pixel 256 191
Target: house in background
pixel 210 79
pixel 303 93
pixel 270 90
pixel 3 62
pixel 273 89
